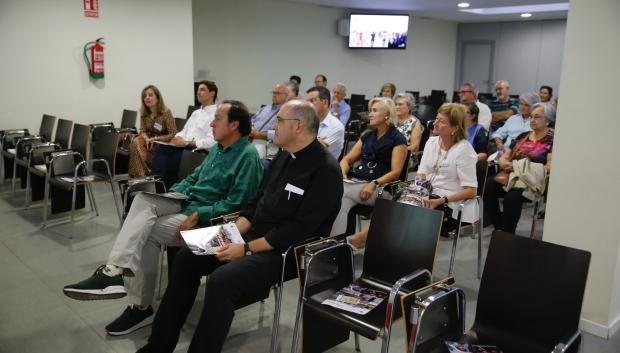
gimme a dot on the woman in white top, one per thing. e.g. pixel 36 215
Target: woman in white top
pixel 408 124
pixel 449 163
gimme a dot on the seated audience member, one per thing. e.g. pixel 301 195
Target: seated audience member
pixel 320 80
pixel 407 123
pixel 536 145
pixel 339 107
pixel 264 120
pixel 197 133
pixel 298 199
pixel 545 93
pixel 388 90
pixel 382 152
pixel 469 92
pixel 449 163
pixel 296 79
pixel 230 176
pixel 516 124
pixel 503 107
pixel 476 134
pixel 331 130
pixel 293 90
pixel 156 124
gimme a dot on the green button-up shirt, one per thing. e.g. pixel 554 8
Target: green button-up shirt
pixel 224 181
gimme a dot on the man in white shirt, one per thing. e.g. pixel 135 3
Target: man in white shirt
pixel 331 130
pixel 197 133
pixel 469 92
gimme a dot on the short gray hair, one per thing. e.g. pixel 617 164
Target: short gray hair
pixel 530 98
pixel 305 112
pixel 548 110
pixel 503 82
pixel 472 86
pixel 342 87
pixel 293 87
pixel 408 97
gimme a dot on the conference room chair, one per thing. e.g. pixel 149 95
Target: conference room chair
pixel 63 133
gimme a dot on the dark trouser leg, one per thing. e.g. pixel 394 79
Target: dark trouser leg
pixel 226 285
pixel 179 298
pixel 513 203
pixel 492 193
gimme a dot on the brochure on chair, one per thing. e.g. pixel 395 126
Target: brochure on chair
pixel 456 347
pixel 79 179
pixel 356 299
pixel 209 240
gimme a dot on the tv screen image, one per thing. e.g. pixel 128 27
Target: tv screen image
pixel 378 31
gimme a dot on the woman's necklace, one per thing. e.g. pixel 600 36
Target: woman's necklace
pixel 439 159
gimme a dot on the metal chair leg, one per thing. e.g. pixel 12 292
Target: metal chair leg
pixel 356 337
pixel 162 251
pixel 46 193
pixel 91 199
pixel 480 229
pixel 455 242
pixel 533 228
pixel 27 199
pixel 14 174
pixel 118 210
pixel 73 198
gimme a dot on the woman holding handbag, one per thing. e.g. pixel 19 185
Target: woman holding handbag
pixel 381 152
pixel 536 145
pixel 447 171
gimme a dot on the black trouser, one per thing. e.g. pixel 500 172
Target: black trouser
pixel 513 203
pixel 165 163
pixel 228 282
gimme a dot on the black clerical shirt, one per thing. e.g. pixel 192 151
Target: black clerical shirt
pixel 299 198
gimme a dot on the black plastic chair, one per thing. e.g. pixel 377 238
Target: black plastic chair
pixel 399 257
pixel 8 140
pixel 63 133
pixel 79 139
pixel 20 158
pixel 530 296
pixel 48 122
pixel 128 120
pixel 190 160
pixel 180 122
pixel 36 171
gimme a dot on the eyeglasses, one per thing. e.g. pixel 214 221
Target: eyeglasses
pixel 280 119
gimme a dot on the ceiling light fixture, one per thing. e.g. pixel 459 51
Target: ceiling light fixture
pixel 526 15
pixel 507 10
pixel 463 5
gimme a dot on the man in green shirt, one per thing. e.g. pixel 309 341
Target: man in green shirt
pixel 229 176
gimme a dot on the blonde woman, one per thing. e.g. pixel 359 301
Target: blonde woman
pixel 381 153
pixel 449 163
pixel 156 124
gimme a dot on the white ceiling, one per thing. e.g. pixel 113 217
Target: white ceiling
pixel 443 9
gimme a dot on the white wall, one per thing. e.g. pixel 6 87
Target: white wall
pixel 528 54
pixel 582 209
pixel 248 47
pixel 43 71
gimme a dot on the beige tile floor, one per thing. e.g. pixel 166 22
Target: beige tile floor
pixel 36 317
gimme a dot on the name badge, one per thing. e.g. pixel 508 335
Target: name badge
pixel 157 126
pixel 294 189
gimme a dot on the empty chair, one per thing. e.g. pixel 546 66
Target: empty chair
pixel 128 120
pixel 37 170
pixel 9 140
pixel 48 122
pixel 79 139
pixel 406 233
pixel 20 159
pixel 63 133
pixel 509 317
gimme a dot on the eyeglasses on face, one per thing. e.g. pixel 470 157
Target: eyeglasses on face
pixel 280 119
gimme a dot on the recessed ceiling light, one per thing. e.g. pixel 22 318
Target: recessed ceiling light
pixel 526 15
pixel 463 5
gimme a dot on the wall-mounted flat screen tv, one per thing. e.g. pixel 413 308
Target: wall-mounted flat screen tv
pixel 378 31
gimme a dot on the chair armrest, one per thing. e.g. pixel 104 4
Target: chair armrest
pixel 566 343
pixel 330 247
pixel 90 163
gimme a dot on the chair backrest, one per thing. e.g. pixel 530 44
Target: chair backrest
pixel 190 110
pixel 532 289
pixel 404 173
pixel 10 137
pixel 426 133
pixel 24 146
pixel 37 155
pixel 47 126
pixel 79 140
pixel 357 99
pixel 63 133
pixel 401 239
pixel 482 167
pixel 189 161
pixel 106 149
pixel 64 162
pixel 129 119
pixel 180 122
pixel 99 129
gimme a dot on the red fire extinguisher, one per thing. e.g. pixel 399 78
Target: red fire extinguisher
pixel 95 63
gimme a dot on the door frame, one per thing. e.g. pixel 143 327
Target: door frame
pixel 464 45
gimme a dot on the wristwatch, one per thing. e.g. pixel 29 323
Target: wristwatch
pixel 445 200
pixel 246 249
pixel 376 182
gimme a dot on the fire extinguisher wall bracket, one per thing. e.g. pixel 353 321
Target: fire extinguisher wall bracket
pixel 95 62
